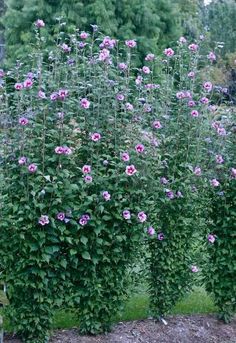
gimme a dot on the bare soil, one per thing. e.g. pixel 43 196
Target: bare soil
pixel 179 329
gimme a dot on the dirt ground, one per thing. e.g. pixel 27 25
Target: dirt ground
pixel 179 329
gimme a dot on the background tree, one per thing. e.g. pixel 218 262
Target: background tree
pixel 221 22
pixel 2 9
pixel 191 16
pixel 154 23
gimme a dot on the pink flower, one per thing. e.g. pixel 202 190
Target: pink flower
pixel 151 231
pixel 130 170
pixel 61 216
pixel 28 83
pixel 219 159
pixel 43 220
pixel 129 106
pixel 126 214
pixel 138 80
pixel 95 136
pixel 104 55
pixel 160 236
pixel 180 95
pixel 122 66
pixel 182 40
pixel 62 94
pixel 193 47
pixel 147 108
pixel 146 70
pixel 54 96
pixel 211 238
pixel 83 221
pixel 194 269
pixel 19 86
pixel 120 97
pixel 23 121
pixel 106 195
pixel 204 100
pixel 188 94
pixel 125 156
pixel 66 48
pixel 215 124
pixel 169 52
pixel 61 115
pixel 233 173
pixel 67 150
pixel 214 183
pixel 22 160
pixel 86 169
pixel 142 217
pixel 130 43
pixel 179 194
pixel 150 57
pixel 191 103
pixel 211 56
pixel 156 124
pixel 194 113
pixel 85 103
pixel 84 35
pixel 164 181
pixel 39 23
pixel 221 131
pixel 108 43
pixel 32 168
pixel 152 86
pixel 207 86
pixel 81 46
pixel 2 73
pixel 139 148
pixel 191 74
pixel 59 150
pixel 169 194
pixel 88 178
pixel 197 171
pixel 41 95
pixel 212 108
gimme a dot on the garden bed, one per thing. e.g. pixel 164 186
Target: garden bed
pixel 180 329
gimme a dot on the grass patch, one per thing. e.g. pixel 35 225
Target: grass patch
pixel 136 308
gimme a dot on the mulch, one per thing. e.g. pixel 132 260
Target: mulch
pixel 179 329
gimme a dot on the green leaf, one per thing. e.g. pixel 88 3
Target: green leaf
pixel 84 240
pixel 86 255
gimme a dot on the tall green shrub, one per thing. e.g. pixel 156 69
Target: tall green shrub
pixel 74 193
pixel 220 270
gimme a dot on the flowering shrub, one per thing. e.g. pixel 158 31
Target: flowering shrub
pixel 75 164
pixel 181 129
pixel 97 157
pixel 219 271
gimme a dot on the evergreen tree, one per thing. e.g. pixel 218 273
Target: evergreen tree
pixel 2 10
pixel 221 22
pixel 191 16
pixel 153 23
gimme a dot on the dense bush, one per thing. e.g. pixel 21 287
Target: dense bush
pixel 219 269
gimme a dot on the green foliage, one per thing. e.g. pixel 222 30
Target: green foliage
pixel 191 17
pixel 121 19
pixel 47 261
pixel 65 240
pixel 220 20
pixel 220 270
